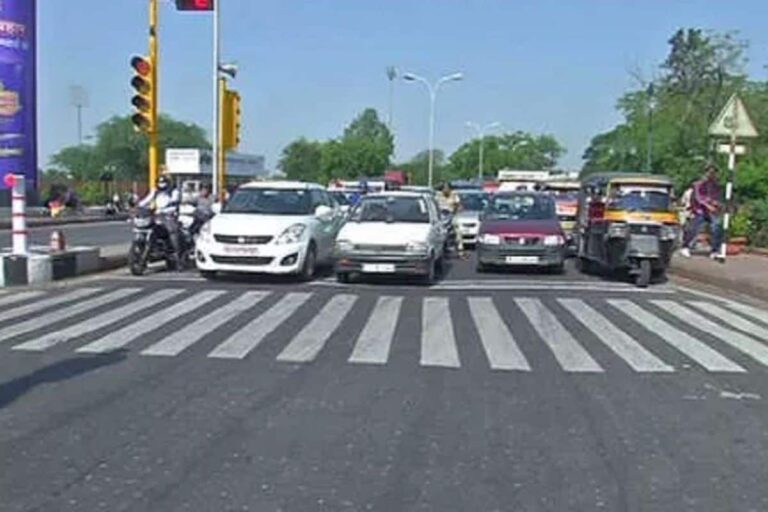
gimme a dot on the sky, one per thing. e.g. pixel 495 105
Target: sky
pixel 308 67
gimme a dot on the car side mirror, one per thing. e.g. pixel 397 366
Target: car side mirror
pixel 323 211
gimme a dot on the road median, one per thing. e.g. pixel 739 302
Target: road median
pixel 745 273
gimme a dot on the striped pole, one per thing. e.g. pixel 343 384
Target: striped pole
pixel 18 213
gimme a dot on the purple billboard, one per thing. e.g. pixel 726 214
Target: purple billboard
pixel 18 129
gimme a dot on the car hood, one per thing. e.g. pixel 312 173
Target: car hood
pixel 528 227
pixel 468 216
pixel 251 224
pixel 384 233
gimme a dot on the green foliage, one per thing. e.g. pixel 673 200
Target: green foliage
pixel 518 150
pixel 758 213
pixel 364 150
pixel 741 224
pixel 122 152
pixel 417 168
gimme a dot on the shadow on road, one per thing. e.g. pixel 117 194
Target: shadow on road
pixel 62 370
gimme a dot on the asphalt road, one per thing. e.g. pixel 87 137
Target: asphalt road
pixel 509 392
pixel 97 234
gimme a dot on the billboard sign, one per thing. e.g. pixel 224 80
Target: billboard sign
pixel 18 130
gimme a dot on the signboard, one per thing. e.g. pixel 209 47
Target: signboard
pixel 738 149
pixel 513 175
pixel 18 130
pixel 182 161
pixel 733 121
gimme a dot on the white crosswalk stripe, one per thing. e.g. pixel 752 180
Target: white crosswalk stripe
pixel 249 337
pixel 751 311
pixel 311 340
pixel 438 344
pixel 624 345
pixel 13 298
pixel 500 346
pixel 683 342
pixel 741 342
pixel 97 322
pixel 59 315
pixel 731 318
pixel 122 337
pixel 197 330
pixel 571 356
pixel 40 305
pixel 374 342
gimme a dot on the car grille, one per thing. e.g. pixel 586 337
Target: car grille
pixel 242 260
pixel 645 244
pixel 379 248
pixel 521 241
pixel 645 229
pixel 469 225
pixel 242 239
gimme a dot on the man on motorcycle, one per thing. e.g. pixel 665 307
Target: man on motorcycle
pixel 164 199
pixel 449 201
pixel 203 209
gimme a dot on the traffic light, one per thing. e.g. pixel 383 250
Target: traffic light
pixel 142 99
pixel 194 5
pixel 230 119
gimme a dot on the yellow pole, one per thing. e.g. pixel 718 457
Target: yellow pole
pixel 221 153
pixel 153 58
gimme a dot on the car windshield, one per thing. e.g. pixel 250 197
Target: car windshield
pixel 521 207
pixel 391 209
pixel 639 199
pixel 565 194
pixel 341 198
pixel 473 202
pixel 270 201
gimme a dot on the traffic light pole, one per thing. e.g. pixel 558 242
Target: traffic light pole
pixel 215 140
pixel 153 58
pixel 221 154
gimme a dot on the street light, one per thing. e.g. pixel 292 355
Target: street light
pixel 651 91
pixel 481 131
pixel 410 77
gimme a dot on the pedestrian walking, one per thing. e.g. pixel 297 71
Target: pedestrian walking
pixel 705 208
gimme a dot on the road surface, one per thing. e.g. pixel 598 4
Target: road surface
pixel 96 234
pixel 482 393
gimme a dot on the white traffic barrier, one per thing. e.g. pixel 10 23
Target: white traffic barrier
pixel 18 213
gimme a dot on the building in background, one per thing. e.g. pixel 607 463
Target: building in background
pixel 192 167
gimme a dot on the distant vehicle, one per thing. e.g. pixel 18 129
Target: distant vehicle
pixel 280 227
pixel 513 180
pixel 418 188
pixel 392 233
pixel 566 195
pixel 520 229
pixel 473 202
pixel 342 198
pixel 465 185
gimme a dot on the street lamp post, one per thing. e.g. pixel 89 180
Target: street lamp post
pixel 481 132
pixel 410 77
pixel 649 143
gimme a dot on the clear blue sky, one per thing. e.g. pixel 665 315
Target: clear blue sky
pixel 307 67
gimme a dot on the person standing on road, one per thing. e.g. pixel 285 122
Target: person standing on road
pixel 165 202
pixel 449 201
pixel 705 207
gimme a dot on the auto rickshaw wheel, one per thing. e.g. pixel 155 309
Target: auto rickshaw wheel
pixel 585 265
pixel 644 272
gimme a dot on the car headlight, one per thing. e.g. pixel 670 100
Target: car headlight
pixel 491 239
pixel 344 246
pixel 206 233
pixel 416 247
pixel 618 230
pixel 669 232
pixel 553 240
pixel 292 234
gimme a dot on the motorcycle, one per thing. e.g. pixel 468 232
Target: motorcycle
pixel 151 242
pixel 446 217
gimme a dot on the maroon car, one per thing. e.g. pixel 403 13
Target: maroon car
pixel 520 228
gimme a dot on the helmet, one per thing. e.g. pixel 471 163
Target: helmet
pixel 163 183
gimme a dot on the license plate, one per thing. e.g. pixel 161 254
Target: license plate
pixel 244 251
pixel 381 268
pixel 521 259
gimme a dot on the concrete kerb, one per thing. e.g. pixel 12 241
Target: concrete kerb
pixel 746 287
pixel 42 266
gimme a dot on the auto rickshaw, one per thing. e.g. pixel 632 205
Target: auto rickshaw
pixel 566 195
pixel 626 222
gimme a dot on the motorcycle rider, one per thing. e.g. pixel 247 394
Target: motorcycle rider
pixel 448 201
pixel 165 199
pixel 203 209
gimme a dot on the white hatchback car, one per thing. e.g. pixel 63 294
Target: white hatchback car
pixel 277 227
pixel 391 233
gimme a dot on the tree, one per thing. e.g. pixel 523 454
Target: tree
pixel 123 151
pixel 301 159
pixel 417 168
pixel 518 150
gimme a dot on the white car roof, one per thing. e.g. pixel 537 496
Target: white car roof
pixel 284 184
pixel 397 193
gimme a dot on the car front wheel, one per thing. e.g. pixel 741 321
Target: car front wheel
pixel 307 271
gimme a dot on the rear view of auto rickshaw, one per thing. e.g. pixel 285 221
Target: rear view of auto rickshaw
pixel 566 195
pixel 626 222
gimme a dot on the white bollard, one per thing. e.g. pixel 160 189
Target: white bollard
pixel 18 213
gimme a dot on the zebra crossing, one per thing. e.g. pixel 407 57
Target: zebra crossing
pixel 722 336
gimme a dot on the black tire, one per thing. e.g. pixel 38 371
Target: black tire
pixel 137 260
pixel 557 269
pixel 307 271
pixel 481 267
pixel 643 276
pixel 585 265
pixel 208 274
pixel 342 277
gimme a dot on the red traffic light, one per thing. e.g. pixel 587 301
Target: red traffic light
pixel 141 65
pixel 194 5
